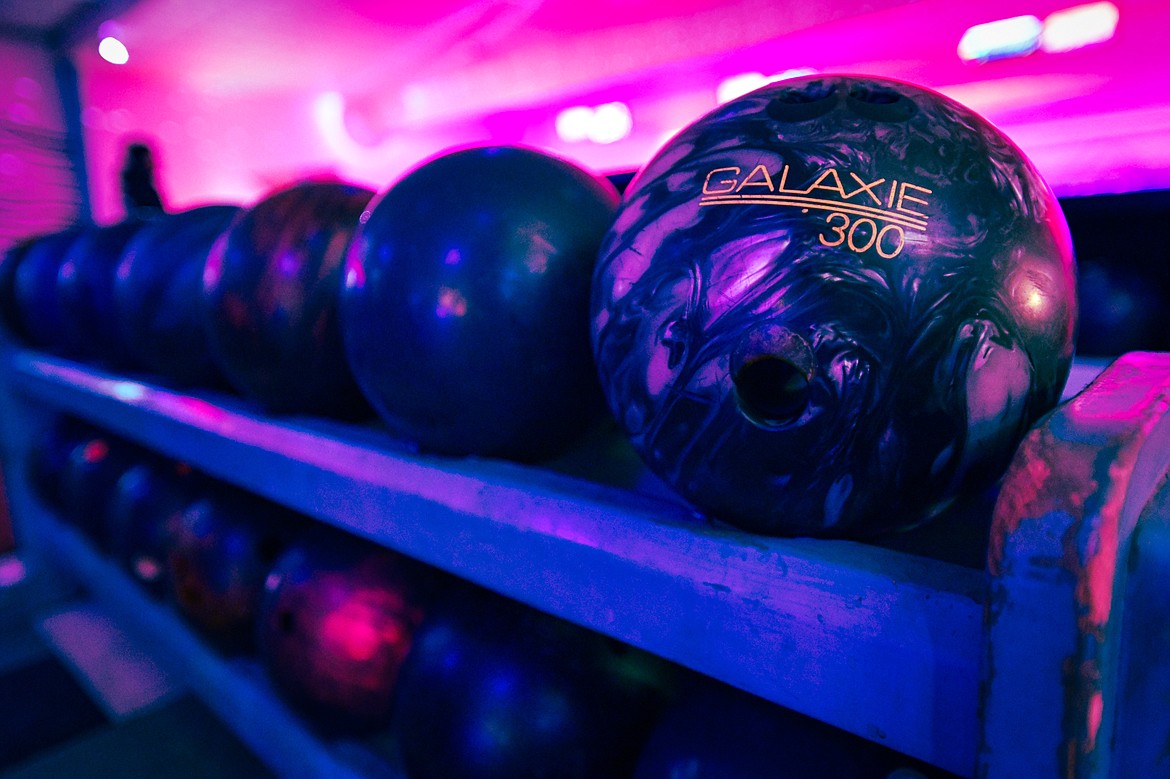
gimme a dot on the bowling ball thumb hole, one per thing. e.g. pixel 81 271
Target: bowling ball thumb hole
pixel 772 369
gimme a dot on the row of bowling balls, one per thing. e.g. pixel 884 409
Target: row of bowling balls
pixel 447 679
pixel 459 313
pixel 826 308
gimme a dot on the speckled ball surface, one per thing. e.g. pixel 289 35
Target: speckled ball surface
pixel 830 306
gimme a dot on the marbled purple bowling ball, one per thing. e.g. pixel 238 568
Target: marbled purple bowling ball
pixel 336 624
pixel 829 306
pixel 270 298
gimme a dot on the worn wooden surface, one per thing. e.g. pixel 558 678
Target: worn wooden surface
pixel 241 698
pixel 1077 561
pixel 878 642
pixel 1064 628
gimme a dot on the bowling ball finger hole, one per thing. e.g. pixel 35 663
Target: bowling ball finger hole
pixel 286 622
pixel 269 548
pixel 880 104
pixel 771 391
pixel 799 104
pixel 190 595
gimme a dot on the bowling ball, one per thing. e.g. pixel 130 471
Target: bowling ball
pixel 48 455
pixel 717 732
pixel 38 306
pixel 85 286
pixel 145 499
pixel 158 291
pixel 336 624
pixel 221 549
pixel 495 690
pixel 465 308
pixel 9 310
pixel 831 305
pixel 88 479
pixel 270 289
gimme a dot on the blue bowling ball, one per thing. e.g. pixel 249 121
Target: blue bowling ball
pixel 466 302
pixel 85 290
pixel 158 292
pixel 38 306
pixel 494 690
pixel 9 310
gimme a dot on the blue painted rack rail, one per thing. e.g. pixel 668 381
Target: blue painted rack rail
pixel 1026 668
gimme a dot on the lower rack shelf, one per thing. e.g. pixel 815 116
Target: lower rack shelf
pixel 961 667
pixel 234 688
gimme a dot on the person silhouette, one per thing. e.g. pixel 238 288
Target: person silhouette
pixel 139 194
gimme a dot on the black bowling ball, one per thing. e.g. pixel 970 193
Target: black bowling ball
pixel 466 302
pixel 494 690
pixel 270 289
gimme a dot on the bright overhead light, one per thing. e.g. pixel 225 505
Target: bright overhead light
pixel 573 124
pixel 113 50
pixel 1082 25
pixel 603 124
pixel 611 122
pixel 1014 37
pixel 739 85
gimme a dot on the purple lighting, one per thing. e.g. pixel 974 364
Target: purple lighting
pixel 1077 86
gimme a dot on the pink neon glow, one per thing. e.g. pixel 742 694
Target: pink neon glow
pixel 12 571
pixel 1096 709
pixel 200 410
pixel 1129 399
pixel 350 632
pixel 451 303
pixel 355 274
pixel 358 631
pixel 95 451
pixel 147 569
pixel 38 187
pixel 242 98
